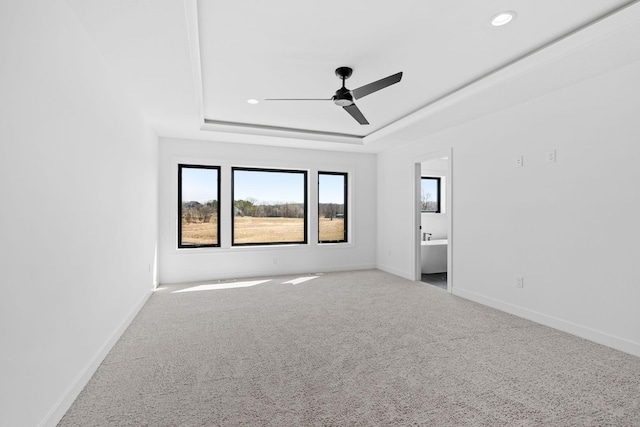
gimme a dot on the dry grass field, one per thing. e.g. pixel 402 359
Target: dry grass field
pixel 331 230
pixel 199 233
pixel 262 230
pixel 268 230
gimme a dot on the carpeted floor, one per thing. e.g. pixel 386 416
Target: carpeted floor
pixel 347 349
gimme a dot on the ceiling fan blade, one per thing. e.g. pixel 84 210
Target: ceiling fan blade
pixel 356 114
pixel 376 86
pixel 298 99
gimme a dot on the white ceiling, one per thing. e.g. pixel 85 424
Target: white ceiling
pixel 191 65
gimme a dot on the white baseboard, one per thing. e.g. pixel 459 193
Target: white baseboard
pixel 64 403
pixel 554 322
pixel 350 268
pixel 281 271
pixel 395 272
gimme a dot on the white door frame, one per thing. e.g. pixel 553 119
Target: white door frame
pixel 417 162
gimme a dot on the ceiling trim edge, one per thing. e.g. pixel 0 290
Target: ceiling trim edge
pixel 277 131
pixel 193 39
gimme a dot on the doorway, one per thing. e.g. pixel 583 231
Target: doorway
pixel 433 219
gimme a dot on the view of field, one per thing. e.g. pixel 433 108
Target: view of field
pixel 331 229
pixel 200 233
pixel 267 230
pixel 261 230
pixel 269 206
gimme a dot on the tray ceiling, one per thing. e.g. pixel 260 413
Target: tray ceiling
pixel 192 65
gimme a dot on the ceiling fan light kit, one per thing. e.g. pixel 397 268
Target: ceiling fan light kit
pixel 345 97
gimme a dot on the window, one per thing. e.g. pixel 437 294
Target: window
pixel 430 194
pixel 269 206
pixel 198 206
pixel 332 207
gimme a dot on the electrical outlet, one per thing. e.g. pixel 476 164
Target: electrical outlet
pixel 551 156
pixel 519 161
pixel 275 261
pixel 519 282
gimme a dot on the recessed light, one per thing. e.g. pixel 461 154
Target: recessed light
pixel 503 18
pixel 252 101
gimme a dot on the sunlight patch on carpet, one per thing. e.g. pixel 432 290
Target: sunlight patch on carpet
pixel 218 286
pixel 300 280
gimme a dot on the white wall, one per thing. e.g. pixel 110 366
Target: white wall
pixel 436 224
pixel 570 228
pixel 181 265
pixel 78 184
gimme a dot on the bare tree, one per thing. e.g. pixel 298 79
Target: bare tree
pixel 425 201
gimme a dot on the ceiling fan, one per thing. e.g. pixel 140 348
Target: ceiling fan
pixel 345 97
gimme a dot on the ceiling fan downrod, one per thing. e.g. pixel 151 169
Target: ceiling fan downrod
pixel 343 96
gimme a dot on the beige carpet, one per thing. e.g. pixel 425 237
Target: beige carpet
pixel 350 349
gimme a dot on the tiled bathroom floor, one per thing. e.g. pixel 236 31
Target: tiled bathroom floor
pixel 436 279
